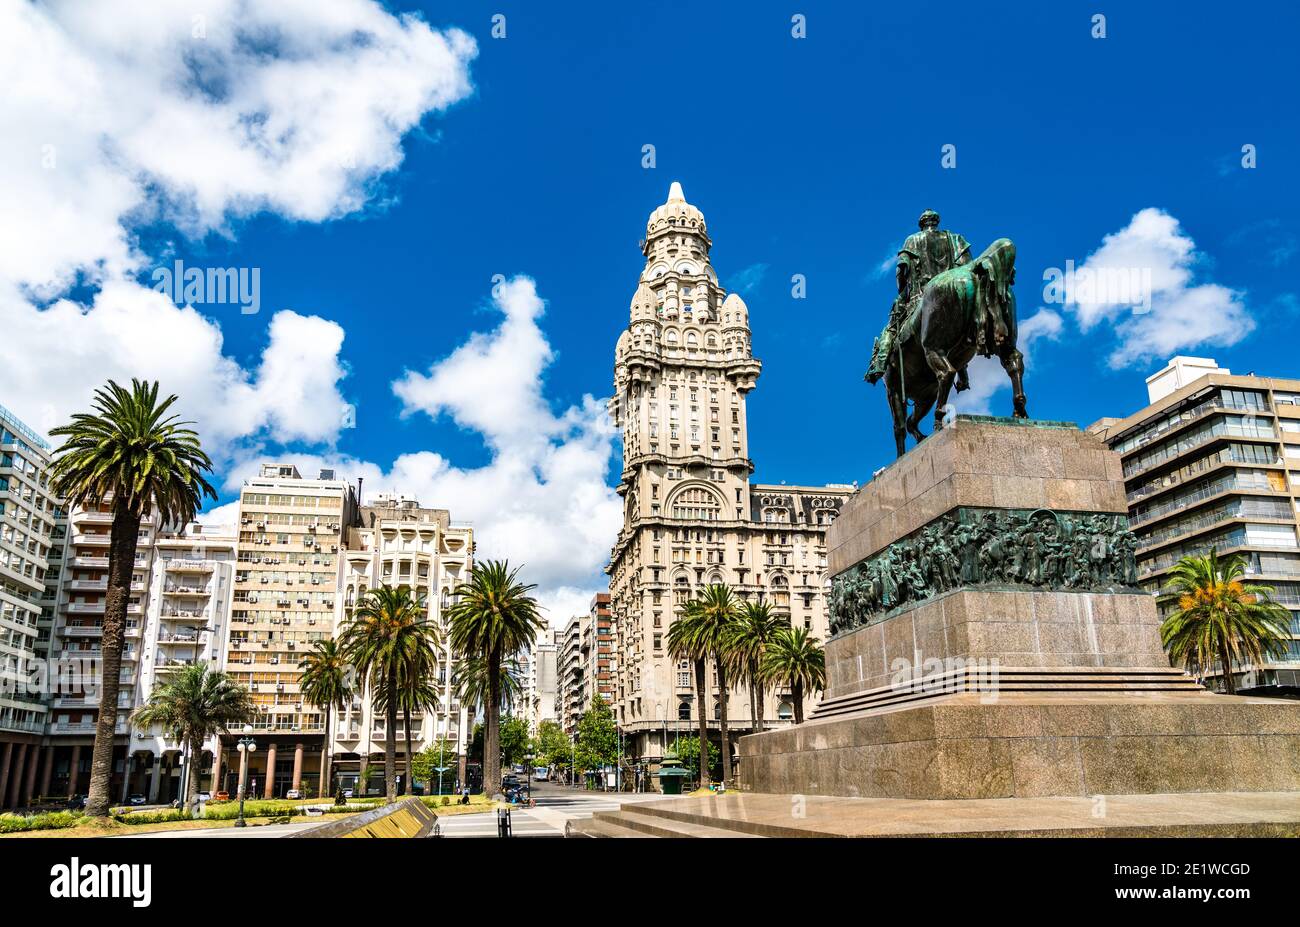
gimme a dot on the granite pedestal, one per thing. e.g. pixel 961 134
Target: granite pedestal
pixel 992 691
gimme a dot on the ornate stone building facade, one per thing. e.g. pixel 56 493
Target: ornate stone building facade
pixel 682 372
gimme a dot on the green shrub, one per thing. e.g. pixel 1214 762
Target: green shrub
pixel 46 820
pixel 252 809
pixel 446 800
pixel 153 817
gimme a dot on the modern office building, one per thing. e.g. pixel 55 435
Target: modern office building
pixel 683 369
pixel 28 540
pixel 292 534
pixel 398 543
pixel 1212 462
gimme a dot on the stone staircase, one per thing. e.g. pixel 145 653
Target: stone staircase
pixel 650 819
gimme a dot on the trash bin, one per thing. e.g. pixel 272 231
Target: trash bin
pixel 671 774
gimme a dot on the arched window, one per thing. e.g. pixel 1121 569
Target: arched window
pixel 696 504
pixel 683 711
pixel 785 711
pixel 671 336
pixel 717 709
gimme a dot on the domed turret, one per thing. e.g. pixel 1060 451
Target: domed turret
pixel 645 305
pixel 735 314
pixel 676 213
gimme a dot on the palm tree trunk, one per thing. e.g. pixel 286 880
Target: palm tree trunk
pixel 193 773
pixel 758 697
pixel 491 727
pixel 722 721
pixel 796 693
pixel 390 741
pixel 1225 664
pixel 408 786
pixel 325 756
pixel 121 565
pixel 701 690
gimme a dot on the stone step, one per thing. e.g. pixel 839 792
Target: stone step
pixel 647 824
pixel 594 828
pixel 1053 680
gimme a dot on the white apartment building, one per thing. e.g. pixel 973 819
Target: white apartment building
pixel 398 543
pixel 289 557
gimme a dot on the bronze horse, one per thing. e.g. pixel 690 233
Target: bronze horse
pixel 964 311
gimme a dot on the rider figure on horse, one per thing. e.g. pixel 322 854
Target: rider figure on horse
pixel 924 255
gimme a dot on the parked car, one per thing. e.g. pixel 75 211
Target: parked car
pixel 136 799
pixel 293 793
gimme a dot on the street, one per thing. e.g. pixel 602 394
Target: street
pixel 556 805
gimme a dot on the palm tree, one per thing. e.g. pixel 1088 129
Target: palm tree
pixel 389 639
pixel 193 703
pixel 755 627
pixel 1220 618
pixel 794 659
pixel 685 643
pixel 472 681
pixel 716 614
pixel 416 691
pixel 326 682
pixel 129 454
pixel 493 617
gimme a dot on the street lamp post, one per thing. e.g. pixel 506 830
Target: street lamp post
pixel 247 746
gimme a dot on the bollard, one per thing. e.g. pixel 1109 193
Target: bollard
pixel 503 822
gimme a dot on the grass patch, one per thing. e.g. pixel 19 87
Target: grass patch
pixel 45 820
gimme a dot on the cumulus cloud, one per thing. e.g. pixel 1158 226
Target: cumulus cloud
pixel 1141 282
pixel 542 499
pixel 120 115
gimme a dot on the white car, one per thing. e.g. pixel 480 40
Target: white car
pixel 293 793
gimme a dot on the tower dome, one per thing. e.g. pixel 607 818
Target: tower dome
pixel 676 213
pixel 735 314
pixel 645 305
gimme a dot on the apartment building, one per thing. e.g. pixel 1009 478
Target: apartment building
pixel 544 678
pixel 188 601
pixel 28 538
pixel 397 542
pixel 290 547
pixel 1212 462
pixel 570 699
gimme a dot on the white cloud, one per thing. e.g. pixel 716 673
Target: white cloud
pixel 122 114
pixel 55 358
pixel 1141 282
pixel 987 377
pixel 542 501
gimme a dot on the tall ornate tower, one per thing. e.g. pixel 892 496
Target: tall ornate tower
pixel 682 372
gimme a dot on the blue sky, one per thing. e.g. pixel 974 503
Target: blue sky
pixel 809 156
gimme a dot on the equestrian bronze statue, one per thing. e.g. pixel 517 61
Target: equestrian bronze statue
pixel 949 309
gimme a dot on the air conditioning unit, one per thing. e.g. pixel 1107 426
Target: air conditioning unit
pixel 315 580
pixel 293 645
pixel 311 620
pixel 275 660
pixel 279 687
pixel 265 645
